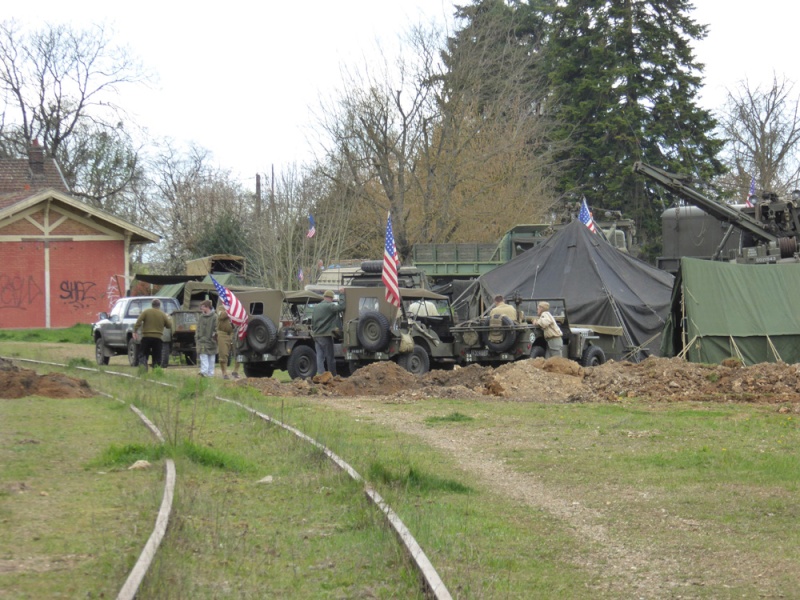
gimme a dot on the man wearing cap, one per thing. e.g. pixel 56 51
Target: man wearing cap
pixel 503 309
pixel 548 325
pixel 326 319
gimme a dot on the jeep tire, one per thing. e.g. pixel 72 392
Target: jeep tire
pixel 509 337
pixel 258 369
pixel 373 331
pixel 302 363
pixel 416 362
pixel 261 333
pixel 593 356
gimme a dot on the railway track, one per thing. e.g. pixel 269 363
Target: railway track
pixel 431 583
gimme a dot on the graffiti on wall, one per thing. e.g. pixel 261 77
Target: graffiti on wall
pixel 77 293
pixel 18 291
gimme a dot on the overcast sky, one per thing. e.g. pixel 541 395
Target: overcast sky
pixel 242 79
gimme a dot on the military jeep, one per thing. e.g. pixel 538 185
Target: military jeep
pixel 586 344
pixel 493 339
pixel 278 333
pixel 375 330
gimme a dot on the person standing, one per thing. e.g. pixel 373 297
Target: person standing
pixel 325 320
pixel 153 321
pixel 552 333
pixel 206 339
pixel 225 342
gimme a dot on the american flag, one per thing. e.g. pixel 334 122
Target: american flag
pixel 752 193
pixel 312 227
pixel 233 307
pixel 585 217
pixel 390 264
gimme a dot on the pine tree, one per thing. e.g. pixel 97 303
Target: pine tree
pixel 625 81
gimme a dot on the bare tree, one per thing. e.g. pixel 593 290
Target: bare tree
pixel 424 141
pixel 59 85
pixel 187 197
pixel 762 127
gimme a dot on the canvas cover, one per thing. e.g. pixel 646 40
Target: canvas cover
pixel 600 285
pixel 725 310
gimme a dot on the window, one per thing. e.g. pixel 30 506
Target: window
pixel 256 308
pixel 365 304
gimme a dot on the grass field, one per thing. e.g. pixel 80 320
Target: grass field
pixel 509 500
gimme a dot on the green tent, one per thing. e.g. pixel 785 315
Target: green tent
pixel 721 310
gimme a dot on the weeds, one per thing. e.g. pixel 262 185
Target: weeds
pixel 412 478
pixel 454 417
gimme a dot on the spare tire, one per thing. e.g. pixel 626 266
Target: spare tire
pixel 372 266
pixel 509 336
pixel 373 331
pixel 261 333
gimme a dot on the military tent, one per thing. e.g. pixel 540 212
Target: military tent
pixel 601 286
pixel 721 310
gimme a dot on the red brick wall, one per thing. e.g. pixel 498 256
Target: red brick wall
pixel 79 279
pixel 21 285
pixel 80 273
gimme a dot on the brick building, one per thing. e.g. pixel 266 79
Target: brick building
pixel 61 260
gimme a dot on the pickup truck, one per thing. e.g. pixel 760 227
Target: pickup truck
pixel 113 333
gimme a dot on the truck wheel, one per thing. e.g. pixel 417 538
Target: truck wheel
pixel 508 340
pixel 100 352
pixel 416 362
pixel 538 352
pixel 259 369
pixel 372 266
pixel 166 351
pixel 133 353
pixel 261 333
pixel 593 357
pixel 373 331
pixel 302 363
pixel 191 358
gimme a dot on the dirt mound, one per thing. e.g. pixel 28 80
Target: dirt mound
pixel 18 383
pixel 561 380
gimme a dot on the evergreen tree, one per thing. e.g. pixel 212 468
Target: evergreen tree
pixel 624 80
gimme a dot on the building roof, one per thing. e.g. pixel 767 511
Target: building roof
pixel 24 201
pixel 29 175
pixel 25 182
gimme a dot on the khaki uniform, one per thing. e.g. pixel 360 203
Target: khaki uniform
pixel 225 341
pixel 552 334
pixel 505 310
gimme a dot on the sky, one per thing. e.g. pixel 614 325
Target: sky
pixel 244 80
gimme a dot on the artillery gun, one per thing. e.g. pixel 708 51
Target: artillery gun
pixel 770 228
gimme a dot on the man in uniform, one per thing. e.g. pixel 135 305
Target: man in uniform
pixel 552 333
pixel 325 319
pixel 503 309
pixel 225 342
pixel 153 321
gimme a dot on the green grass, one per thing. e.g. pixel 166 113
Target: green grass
pixel 694 500
pixel 454 417
pixel 77 334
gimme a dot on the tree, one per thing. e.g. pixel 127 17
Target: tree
pixel 189 200
pixel 59 86
pixel 625 80
pixel 762 130
pixel 422 141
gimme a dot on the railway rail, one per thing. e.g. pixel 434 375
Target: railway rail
pixel 431 582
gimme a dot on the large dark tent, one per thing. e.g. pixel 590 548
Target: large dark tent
pixel 601 286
